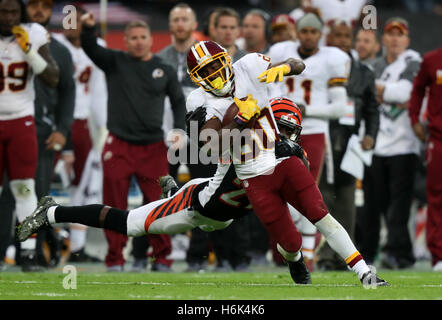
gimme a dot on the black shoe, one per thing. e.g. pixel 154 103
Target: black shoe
pixel 159 267
pixel 139 265
pixel 168 187
pixel 36 220
pixel 372 280
pixel 81 256
pixel 299 271
pixel 29 262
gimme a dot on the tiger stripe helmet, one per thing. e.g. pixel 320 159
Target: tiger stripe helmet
pixel 288 115
pixel 203 53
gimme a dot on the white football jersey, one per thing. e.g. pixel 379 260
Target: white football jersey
pixel 246 72
pixel 17 78
pixel 90 83
pixel 395 135
pixel 325 67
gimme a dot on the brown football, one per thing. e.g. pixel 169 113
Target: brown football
pixel 232 111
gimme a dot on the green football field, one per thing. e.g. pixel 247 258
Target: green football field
pixel 270 285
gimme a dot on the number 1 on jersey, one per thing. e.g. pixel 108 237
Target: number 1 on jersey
pixel 305 84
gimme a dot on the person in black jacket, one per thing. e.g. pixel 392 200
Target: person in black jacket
pixel 137 82
pixel 340 196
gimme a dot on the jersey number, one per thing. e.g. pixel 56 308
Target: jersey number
pixel 84 78
pixel 17 71
pixel 306 85
pixel 232 198
pixel 263 139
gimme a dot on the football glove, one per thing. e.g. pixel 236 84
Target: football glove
pixel 198 115
pixel 287 148
pixel 274 74
pixel 247 108
pixel 22 37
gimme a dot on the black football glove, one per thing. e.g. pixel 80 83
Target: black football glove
pixel 199 116
pixel 287 148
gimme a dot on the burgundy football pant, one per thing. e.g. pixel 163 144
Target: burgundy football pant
pixel 434 199
pixel 148 163
pixel 18 148
pixel 82 144
pixel 292 183
pixel 314 145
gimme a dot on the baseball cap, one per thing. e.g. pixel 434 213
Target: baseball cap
pixel 281 20
pixel 397 22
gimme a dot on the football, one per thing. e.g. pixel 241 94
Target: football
pixel 232 111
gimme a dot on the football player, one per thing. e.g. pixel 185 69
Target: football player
pixel 24 53
pixel 269 183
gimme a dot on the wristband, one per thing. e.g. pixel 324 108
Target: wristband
pixel 240 120
pixel 38 64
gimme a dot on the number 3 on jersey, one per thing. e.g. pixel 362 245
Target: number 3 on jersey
pixel 305 84
pixel 18 72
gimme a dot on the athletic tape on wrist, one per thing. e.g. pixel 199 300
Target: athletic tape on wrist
pixel 38 64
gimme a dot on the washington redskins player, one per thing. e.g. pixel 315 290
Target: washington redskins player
pixel 24 53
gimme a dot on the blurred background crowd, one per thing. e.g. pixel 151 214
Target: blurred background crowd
pixel 389 225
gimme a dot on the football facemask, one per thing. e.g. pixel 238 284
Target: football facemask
pixel 288 117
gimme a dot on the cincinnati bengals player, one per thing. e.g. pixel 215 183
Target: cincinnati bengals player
pixel 24 53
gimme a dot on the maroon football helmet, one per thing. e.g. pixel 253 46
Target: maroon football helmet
pixel 210 67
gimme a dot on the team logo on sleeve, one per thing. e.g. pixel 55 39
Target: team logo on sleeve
pixel 157 73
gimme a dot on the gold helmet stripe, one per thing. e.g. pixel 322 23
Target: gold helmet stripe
pixel 199 50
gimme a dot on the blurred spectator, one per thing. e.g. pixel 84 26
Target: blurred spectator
pixel 340 196
pixel 209 23
pixel 389 182
pixel 33 73
pixel 282 28
pixel 255 31
pixel 89 125
pixel 137 82
pixel 367 45
pixel 331 10
pixel 430 78
pixel 182 25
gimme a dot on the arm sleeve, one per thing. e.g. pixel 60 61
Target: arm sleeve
pixel 420 83
pixel 64 110
pixel 339 65
pixel 177 100
pixel 333 110
pixel 370 111
pixel 102 57
pixel 400 91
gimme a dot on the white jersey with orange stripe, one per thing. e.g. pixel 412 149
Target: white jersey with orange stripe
pixel 260 158
pixel 17 78
pixel 327 66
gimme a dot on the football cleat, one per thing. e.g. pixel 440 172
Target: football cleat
pixel 299 271
pixel 372 280
pixel 168 187
pixel 36 220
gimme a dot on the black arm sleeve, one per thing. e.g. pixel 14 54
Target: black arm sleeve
pixel 177 100
pixel 102 57
pixel 370 111
pixel 64 109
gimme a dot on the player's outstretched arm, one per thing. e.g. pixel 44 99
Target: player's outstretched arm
pixel 277 71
